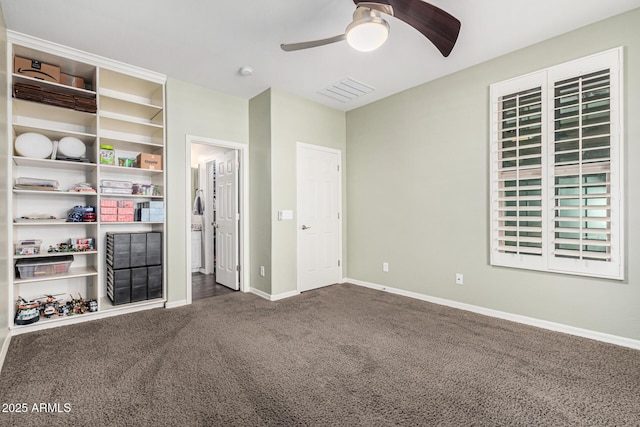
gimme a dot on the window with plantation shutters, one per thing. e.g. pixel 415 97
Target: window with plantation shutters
pixel 520 173
pixel 556 162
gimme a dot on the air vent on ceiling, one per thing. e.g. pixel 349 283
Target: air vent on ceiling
pixel 346 90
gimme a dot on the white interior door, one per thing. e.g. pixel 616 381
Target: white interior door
pixel 227 217
pixel 319 203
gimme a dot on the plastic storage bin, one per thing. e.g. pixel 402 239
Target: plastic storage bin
pixel 27 247
pixel 42 267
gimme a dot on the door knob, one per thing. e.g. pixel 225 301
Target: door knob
pixel 304 227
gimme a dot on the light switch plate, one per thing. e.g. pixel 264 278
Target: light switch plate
pixel 284 215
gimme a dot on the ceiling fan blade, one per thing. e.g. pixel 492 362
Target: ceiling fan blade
pixel 289 47
pixel 434 23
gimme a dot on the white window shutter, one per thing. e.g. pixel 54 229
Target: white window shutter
pixel 585 181
pixel 518 132
pixel 556 180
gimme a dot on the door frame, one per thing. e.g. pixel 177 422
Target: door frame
pixel 338 152
pixel 243 197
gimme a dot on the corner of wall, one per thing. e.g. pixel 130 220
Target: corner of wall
pixel 260 191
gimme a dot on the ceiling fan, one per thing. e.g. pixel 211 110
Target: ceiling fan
pixel 369 30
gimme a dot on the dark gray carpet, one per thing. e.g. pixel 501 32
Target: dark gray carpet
pixel 342 355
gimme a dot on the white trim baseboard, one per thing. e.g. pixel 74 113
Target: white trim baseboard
pixel 275 297
pixel 544 324
pixel 175 304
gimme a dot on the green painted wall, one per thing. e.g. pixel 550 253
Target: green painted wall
pixel 192 110
pixel 271 123
pixel 293 120
pixel 260 189
pixel 418 187
pixel 278 121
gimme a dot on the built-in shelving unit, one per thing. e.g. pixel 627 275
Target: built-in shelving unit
pixel 130 117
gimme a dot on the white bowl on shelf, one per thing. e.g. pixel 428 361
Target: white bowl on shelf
pixel 33 145
pixel 71 147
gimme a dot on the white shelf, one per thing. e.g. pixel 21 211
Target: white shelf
pixel 35 114
pixel 74 67
pixel 130 132
pixel 53 193
pixel 130 116
pixel 130 119
pixel 129 171
pixel 73 273
pixel 121 106
pixel 131 223
pixel 55 134
pixel 51 223
pixel 52 254
pixel 57 87
pixel 130 196
pixel 106 309
pixel 53 164
pixel 120 128
pixel 53 321
pixel 107 306
pixel 128 88
pixel 127 145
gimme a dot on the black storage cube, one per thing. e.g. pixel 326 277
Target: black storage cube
pixel 138 243
pixel 155 293
pixel 138 284
pixel 119 279
pixel 134 266
pixel 139 294
pixel 118 250
pixel 121 296
pixel 119 240
pixel 154 248
pixel 138 249
pixel 138 277
pixel 154 277
pixel 119 286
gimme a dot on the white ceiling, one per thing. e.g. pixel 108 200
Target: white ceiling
pixel 206 42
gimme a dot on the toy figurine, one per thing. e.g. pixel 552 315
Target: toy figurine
pixel 76 214
pixel 78 304
pixel 50 307
pixel 28 311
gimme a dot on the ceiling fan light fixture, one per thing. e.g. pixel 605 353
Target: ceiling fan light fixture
pixel 367 33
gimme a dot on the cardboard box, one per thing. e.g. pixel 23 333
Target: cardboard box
pixel 36 69
pixel 149 161
pixel 69 80
pixel 106 203
pixel 108 211
pixel 125 217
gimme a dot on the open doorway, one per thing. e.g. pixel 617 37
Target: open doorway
pixel 218 213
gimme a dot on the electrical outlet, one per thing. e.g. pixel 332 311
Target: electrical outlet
pixel 385 267
pixel 459 279
pixel 262 270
